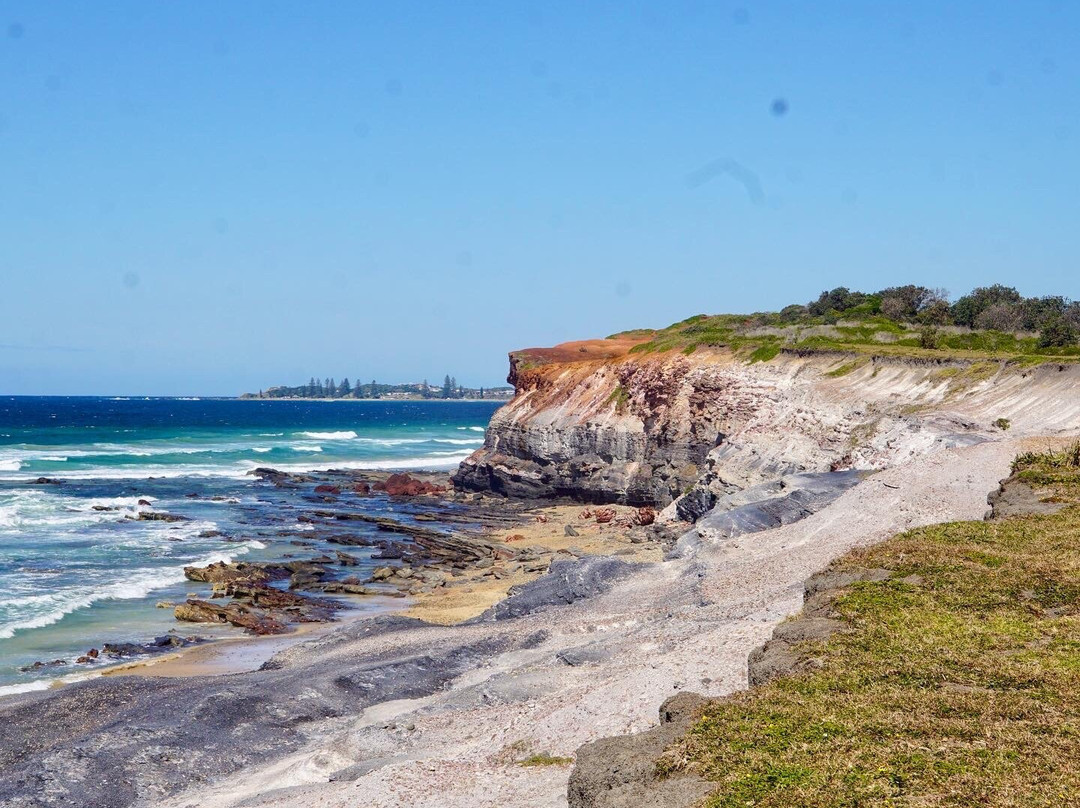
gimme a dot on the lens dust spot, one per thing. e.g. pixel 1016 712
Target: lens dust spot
pixel 130 279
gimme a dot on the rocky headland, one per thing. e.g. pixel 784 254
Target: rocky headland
pixel 646 520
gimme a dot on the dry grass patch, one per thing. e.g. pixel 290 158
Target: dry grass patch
pixel 958 687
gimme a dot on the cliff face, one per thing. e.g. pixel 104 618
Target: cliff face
pixel 597 422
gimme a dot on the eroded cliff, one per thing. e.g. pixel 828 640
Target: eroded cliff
pixel 601 422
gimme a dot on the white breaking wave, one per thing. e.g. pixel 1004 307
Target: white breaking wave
pixel 10 465
pixel 348 435
pixel 137 583
pixel 261 449
pixel 302 448
pixel 146 472
pixel 477 428
pixel 460 441
pixel 42 508
pixel 431 462
pixel 26 687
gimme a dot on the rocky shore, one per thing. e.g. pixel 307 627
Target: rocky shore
pixel 632 530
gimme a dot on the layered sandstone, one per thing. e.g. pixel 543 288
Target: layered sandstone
pixel 599 422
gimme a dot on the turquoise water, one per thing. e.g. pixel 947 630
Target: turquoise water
pixel 77 569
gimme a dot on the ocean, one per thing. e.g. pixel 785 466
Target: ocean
pixel 77 566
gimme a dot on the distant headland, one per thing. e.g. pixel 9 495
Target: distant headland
pixel 328 388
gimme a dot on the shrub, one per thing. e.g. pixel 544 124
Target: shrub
pixel 969 307
pixel 1057 333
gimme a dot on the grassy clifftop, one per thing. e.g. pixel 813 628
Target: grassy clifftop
pixel 990 323
pixel 953 682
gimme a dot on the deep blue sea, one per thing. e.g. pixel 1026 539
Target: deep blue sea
pixel 75 571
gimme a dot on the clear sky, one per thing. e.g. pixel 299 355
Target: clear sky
pixel 208 198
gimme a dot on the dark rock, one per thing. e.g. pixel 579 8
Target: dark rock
pixel 402 485
pixel 566 582
pixel 157 516
pixel 39 665
pixel 620 772
pixel 695 504
pixel 1016 498
pixel 840 579
pixel 774 504
pixel 569 530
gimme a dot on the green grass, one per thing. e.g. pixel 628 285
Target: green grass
pixel 620 398
pixel 764 353
pixel 959 687
pixel 761 336
pixel 843 370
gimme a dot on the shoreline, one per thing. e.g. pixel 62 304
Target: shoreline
pixel 541 526
pixel 441 607
pixel 404 712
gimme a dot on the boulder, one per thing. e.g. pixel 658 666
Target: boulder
pixel 402 485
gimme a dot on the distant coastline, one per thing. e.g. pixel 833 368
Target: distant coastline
pixel 329 390
pixel 485 400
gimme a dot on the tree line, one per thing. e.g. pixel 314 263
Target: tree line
pixel 1055 318
pixel 330 388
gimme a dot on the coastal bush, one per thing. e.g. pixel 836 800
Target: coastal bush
pixel 1057 333
pixel 908 321
pixel 956 683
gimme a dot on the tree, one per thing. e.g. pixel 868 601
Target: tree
pixel 793 313
pixel 345 388
pixel 1035 312
pixel 374 389
pixel 312 388
pixel 967 309
pixel 446 387
pixel 454 388
pixel 328 387
pixel 1058 333
pixel 425 390
pixel 903 303
pixel 936 313
pixel 320 390
pixel 1000 317
pixel 481 392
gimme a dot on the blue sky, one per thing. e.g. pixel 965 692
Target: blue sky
pixel 208 198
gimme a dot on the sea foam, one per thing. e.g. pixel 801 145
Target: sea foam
pixel 346 435
pixel 137 583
